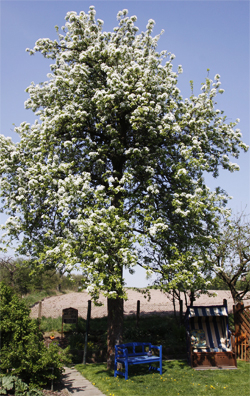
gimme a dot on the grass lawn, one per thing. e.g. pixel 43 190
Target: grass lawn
pixel 177 379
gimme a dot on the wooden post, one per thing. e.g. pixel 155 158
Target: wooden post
pixel 40 310
pixel 236 309
pixel 181 311
pixel 62 326
pixel 138 313
pixel 39 313
pixel 52 383
pixel 87 330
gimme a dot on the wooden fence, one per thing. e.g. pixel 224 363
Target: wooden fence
pixel 242 331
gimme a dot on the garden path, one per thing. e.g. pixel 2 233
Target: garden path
pixel 76 384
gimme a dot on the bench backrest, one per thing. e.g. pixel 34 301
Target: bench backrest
pixel 132 349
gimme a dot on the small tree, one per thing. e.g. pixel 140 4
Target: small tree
pixel 8 265
pixel 230 255
pixel 115 161
pixel 21 276
pixel 22 347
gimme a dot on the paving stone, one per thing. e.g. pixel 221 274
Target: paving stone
pixel 76 384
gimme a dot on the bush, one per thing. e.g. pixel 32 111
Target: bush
pixel 22 346
pixel 14 384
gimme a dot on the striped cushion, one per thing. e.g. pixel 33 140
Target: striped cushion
pixel 198 339
pixel 216 333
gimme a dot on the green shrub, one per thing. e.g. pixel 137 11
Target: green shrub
pixel 22 346
pixel 14 384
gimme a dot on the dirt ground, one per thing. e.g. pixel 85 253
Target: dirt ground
pixel 159 303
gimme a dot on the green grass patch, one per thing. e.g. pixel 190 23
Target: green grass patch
pixel 55 324
pixel 34 297
pixel 177 379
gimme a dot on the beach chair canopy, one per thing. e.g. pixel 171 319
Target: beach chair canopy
pixel 207 311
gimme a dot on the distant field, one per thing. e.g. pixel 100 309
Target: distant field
pixel 159 303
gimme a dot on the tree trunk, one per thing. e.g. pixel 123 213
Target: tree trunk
pixel 174 305
pixel 192 298
pixel 115 328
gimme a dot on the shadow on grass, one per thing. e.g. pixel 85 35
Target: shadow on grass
pixel 138 370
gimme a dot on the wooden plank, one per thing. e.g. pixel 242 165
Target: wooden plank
pixel 40 310
pixel 247 317
pixel 244 328
pixel 244 321
pixel 70 315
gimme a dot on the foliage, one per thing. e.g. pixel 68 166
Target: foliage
pixel 216 283
pixel 177 378
pixel 117 158
pixel 164 330
pixel 111 172
pixel 22 346
pixel 20 275
pixel 36 296
pixel 12 382
pixel 230 255
pixel 55 324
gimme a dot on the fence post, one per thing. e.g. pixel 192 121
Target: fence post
pixel 87 330
pixel 39 313
pixel 62 326
pixel 52 382
pixel 40 310
pixel 138 313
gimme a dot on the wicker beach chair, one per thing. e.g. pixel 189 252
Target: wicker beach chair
pixel 209 341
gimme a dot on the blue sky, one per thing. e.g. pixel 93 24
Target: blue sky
pixel 202 35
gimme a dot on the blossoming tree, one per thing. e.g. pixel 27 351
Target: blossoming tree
pixel 230 255
pixel 113 166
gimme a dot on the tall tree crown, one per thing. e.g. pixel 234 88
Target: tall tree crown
pixel 116 157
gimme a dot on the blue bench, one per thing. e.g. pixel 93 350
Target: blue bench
pixel 135 353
